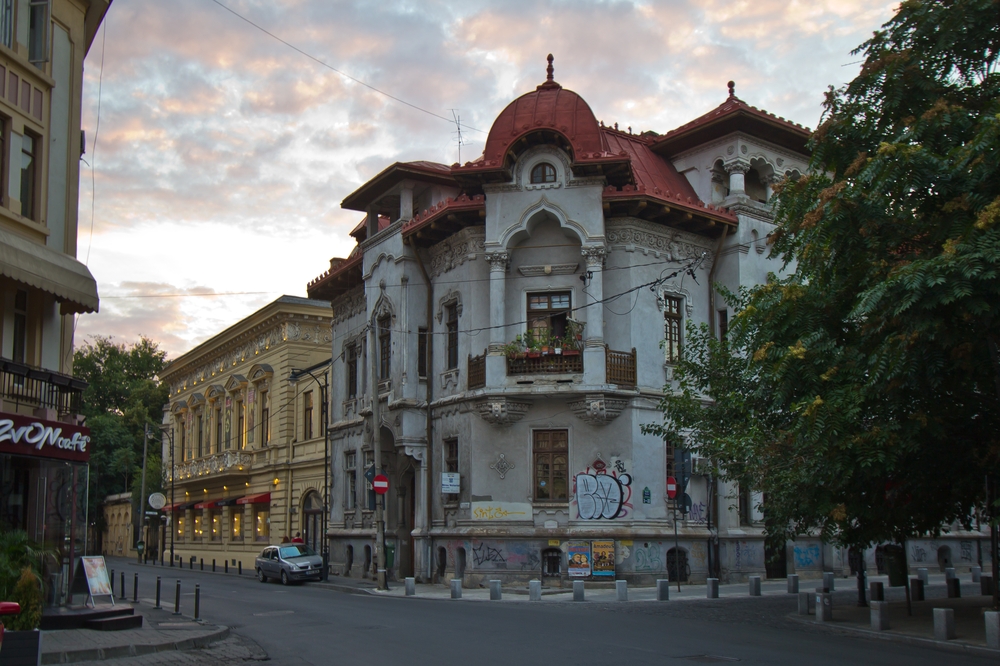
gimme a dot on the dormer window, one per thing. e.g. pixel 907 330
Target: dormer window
pixel 543 173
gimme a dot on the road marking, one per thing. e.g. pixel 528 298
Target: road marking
pixel 274 613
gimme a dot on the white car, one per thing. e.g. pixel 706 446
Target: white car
pixel 289 562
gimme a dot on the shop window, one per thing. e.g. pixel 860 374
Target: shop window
pixel 351 479
pixel 451 455
pixel 384 347
pixel 352 372
pixel 198 527
pixel 307 415
pixel 180 528
pixel 20 326
pixel 673 321
pixel 452 311
pixel 29 175
pixel 236 520
pixel 262 525
pixel 547 315
pixel 422 339
pixel 550 453
pixel 215 526
pixel 543 173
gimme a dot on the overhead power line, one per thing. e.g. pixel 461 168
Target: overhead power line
pixel 341 72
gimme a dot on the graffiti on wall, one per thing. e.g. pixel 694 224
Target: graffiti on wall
pixel 503 555
pixel 648 557
pixel 501 511
pixel 602 491
pixel 747 554
pixel 697 513
pixel 807 555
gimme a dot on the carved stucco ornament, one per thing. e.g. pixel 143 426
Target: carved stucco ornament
pixel 598 409
pixel 502 411
pixel 502 465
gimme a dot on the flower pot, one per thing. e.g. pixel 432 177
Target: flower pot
pixel 559 350
pixel 545 349
pixel 534 354
pixel 571 352
pixel 21 648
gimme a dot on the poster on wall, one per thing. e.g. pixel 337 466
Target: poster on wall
pixel 603 558
pixel 578 559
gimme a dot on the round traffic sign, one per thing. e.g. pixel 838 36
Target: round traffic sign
pixel 157 501
pixel 671 487
pixel 381 484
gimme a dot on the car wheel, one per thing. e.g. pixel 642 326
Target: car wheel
pixel 260 576
pixel 284 577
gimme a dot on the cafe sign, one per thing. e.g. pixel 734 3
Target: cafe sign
pixel 27 435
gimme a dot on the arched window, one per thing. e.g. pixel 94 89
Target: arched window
pixel 543 173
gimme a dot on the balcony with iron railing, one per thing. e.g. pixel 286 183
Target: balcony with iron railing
pixel 26 386
pixel 217 466
pixel 621 366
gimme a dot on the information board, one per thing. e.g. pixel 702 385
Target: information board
pixel 450 483
pixel 94 571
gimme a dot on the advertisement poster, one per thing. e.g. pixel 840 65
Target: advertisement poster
pixel 92 578
pixel 603 558
pixel 578 558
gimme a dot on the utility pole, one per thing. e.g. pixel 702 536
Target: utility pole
pixel 376 435
pixel 141 511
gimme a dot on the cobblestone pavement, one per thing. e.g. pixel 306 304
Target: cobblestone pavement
pixel 233 650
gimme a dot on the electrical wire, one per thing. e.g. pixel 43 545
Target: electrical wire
pixel 342 73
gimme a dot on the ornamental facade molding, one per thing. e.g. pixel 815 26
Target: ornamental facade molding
pixel 465 245
pixel 598 408
pixel 672 244
pixel 349 305
pixel 502 411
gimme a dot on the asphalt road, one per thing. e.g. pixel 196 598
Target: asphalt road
pixel 304 624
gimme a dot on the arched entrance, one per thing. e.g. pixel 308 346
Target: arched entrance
pixel 312 520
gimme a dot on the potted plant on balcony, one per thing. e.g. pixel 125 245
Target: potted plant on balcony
pixel 557 345
pixel 515 349
pixel 532 344
pixel 545 342
pixel 573 341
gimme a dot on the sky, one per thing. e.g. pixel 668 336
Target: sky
pixel 218 154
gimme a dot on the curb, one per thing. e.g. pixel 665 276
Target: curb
pixel 949 646
pixel 117 652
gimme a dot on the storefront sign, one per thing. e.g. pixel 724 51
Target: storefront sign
pixel 578 559
pixel 604 558
pixel 29 436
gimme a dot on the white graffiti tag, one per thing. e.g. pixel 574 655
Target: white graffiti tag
pixel 600 495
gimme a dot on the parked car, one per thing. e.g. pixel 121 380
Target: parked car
pixel 289 562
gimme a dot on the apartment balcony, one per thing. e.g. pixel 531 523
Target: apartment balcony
pixel 621 367
pixel 568 362
pixel 220 465
pixel 25 386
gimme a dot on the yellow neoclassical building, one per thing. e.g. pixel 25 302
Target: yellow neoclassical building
pixel 244 436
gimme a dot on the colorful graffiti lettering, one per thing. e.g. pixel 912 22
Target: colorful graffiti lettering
pixel 697 513
pixel 603 495
pixel 494 513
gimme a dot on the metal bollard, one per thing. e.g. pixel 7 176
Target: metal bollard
pixel 240 565
pixel 662 589
pixel 411 587
pixel 158 606
pixel 135 589
pixel 922 574
pixel 807 602
pixel 177 599
pixel 122 587
pixel 456 588
pixel 944 624
pixel 712 588
pixel 880 616
pixel 621 588
pixel 949 573
pixel 828 581
pixel 201 564
pixel 534 590
pixel 754 586
pixel 227 566
pixel 977 573
pixel 191 563
pixel 213 565
pixel 986 585
pixel 954 588
pixel 495 594
pixel 578 590
pixel 876 592
pixel 793 583
pixel 824 607
pixel 992 619
pixel 916 589
pixel 197 603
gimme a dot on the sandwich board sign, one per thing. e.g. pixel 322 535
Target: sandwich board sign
pixel 93 570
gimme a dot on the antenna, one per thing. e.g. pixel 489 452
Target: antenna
pixel 458 132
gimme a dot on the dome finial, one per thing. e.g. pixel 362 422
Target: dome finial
pixel 732 89
pixel 550 70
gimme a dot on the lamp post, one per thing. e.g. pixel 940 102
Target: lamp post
pixel 169 432
pixel 293 377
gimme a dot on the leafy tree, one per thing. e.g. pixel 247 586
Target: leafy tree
pixel 123 397
pixel 866 381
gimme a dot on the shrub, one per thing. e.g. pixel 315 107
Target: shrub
pixel 28 593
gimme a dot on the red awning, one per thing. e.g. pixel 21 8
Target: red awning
pixel 206 505
pixel 180 506
pixel 263 498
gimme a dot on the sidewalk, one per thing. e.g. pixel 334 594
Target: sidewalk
pixel 160 631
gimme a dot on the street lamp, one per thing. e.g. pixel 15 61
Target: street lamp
pixel 293 378
pixel 169 432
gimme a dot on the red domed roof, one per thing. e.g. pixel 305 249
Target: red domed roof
pixel 549 107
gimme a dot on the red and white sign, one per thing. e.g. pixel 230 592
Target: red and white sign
pixel 381 484
pixel 671 487
pixel 30 436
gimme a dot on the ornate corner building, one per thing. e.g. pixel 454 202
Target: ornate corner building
pixel 518 317
pixel 44 444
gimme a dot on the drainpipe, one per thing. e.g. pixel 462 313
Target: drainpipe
pixel 430 384
pixel 711 280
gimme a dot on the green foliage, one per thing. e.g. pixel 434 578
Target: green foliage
pixel 123 397
pixel 28 593
pixel 17 552
pixel 865 378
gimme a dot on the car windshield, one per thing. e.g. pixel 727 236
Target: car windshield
pixel 295 551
